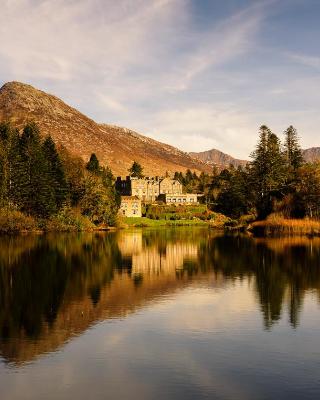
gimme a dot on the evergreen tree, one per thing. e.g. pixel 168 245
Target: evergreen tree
pixel 35 194
pixel 93 164
pixel 292 149
pixel 267 172
pixel 307 195
pixel 136 170
pixel 107 177
pixel 234 198
pixel 4 169
pixel 10 164
pixel 56 172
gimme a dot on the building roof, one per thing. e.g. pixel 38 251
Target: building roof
pixel 129 198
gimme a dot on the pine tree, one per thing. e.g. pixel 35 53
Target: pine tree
pixel 33 183
pixel 292 149
pixel 136 170
pixel 107 177
pixel 10 162
pixel 56 174
pixel 93 164
pixel 234 199
pixel 4 136
pixel 267 172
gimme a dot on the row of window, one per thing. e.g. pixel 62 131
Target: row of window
pixel 179 200
pixel 133 205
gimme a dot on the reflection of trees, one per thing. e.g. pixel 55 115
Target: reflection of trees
pixel 54 286
pixel 48 282
pixel 284 272
pixel 33 288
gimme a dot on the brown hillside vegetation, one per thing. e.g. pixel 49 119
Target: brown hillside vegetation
pixel 114 146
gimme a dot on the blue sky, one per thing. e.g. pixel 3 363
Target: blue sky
pixel 197 74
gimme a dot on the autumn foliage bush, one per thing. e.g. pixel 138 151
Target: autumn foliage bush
pixel 12 221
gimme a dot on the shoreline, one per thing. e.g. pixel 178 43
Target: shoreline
pixel 272 228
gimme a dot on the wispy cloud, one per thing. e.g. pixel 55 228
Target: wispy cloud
pixel 309 61
pixel 150 65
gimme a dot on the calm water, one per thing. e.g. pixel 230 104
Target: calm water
pixel 159 314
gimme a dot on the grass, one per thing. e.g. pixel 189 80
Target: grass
pixel 279 226
pixel 147 222
pixel 178 212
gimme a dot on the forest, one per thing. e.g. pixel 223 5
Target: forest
pixel 276 181
pixel 44 187
pixel 48 188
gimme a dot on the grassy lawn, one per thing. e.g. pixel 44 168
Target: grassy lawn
pixel 147 222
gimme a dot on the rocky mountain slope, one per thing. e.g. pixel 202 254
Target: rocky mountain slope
pixel 114 146
pixel 312 154
pixel 215 157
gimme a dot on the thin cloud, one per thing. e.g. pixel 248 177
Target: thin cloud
pixel 148 65
pixel 309 61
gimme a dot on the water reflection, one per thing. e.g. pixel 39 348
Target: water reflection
pixel 54 287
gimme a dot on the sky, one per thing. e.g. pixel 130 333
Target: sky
pixel 197 74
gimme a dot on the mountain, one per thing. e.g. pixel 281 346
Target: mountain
pixel 312 154
pixel 217 158
pixel 222 160
pixel 114 146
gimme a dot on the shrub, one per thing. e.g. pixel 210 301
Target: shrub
pixel 247 219
pixel 69 220
pixel 13 221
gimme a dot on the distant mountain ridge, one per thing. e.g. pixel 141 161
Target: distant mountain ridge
pixel 312 154
pixel 217 158
pixel 115 146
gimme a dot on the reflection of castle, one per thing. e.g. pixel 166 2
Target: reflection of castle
pixel 149 260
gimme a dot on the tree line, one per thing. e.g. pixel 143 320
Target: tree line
pixel 40 180
pixel 277 180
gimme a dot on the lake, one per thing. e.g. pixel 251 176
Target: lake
pixel 182 313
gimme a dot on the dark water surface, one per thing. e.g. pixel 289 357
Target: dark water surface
pixel 159 314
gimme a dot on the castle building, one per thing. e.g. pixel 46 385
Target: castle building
pixel 148 189
pixel 179 199
pixel 130 206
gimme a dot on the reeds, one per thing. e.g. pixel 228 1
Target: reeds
pixel 279 226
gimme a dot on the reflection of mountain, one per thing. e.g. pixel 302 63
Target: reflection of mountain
pixel 55 287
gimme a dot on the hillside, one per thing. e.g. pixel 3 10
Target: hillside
pixel 312 154
pixel 114 146
pixel 216 157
